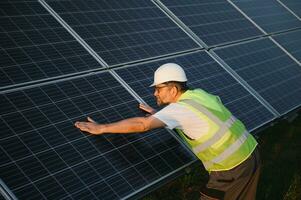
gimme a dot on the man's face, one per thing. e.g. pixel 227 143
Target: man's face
pixel 162 94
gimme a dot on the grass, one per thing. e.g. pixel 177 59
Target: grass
pixel 280 147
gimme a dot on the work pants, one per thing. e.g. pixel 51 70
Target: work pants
pixel 239 183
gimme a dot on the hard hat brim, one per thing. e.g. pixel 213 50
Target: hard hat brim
pixel 152 85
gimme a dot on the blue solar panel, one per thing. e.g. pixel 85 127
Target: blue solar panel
pixel 268 14
pixel 294 5
pixel 45 87
pixel 35 46
pixel 267 69
pixel 43 156
pixel 123 31
pixel 213 21
pixel 202 72
pixel 291 41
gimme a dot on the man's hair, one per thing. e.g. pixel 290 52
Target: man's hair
pixel 181 86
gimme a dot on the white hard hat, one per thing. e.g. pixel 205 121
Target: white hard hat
pixel 169 72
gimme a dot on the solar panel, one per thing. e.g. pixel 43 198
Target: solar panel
pixel 269 15
pixel 294 5
pixel 268 70
pixel 214 22
pixel 202 72
pixel 35 46
pixel 123 31
pixel 291 41
pixel 43 156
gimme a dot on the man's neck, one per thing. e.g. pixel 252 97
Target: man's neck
pixel 178 96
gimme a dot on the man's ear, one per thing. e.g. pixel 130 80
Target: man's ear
pixel 175 90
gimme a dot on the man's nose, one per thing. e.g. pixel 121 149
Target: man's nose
pixel 155 93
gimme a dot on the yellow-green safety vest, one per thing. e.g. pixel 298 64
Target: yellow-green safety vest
pixel 227 143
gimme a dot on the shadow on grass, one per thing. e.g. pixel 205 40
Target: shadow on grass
pixel 280 148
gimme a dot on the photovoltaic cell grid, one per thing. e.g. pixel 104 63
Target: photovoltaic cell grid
pixel 291 41
pixel 213 21
pixel 123 31
pixel 267 69
pixel 35 46
pixel 43 156
pixel 270 15
pixel 294 5
pixel 202 72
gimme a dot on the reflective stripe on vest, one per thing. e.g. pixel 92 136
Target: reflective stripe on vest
pixel 217 136
pixel 229 151
pixel 224 128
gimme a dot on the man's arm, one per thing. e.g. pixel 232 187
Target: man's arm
pixel 130 125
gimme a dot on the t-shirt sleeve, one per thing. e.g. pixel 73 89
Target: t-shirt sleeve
pixel 168 115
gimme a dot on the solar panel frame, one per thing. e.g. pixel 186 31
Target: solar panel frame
pixel 213 28
pixel 5 193
pixel 293 5
pixel 198 66
pixel 58 163
pixel 35 46
pixel 269 15
pixel 255 62
pixel 137 30
pixel 291 41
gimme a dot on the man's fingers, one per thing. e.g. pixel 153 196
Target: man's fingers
pixel 80 124
pixel 141 106
pixel 89 127
pixel 83 126
pixel 91 120
pixel 146 108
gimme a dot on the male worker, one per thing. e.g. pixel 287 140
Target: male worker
pixel 217 138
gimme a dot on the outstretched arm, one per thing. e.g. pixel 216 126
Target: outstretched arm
pixel 130 125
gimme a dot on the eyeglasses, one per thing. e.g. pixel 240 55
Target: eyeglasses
pixel 157 88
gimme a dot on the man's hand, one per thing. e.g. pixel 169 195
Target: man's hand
pixel 147 108
pixel 91 126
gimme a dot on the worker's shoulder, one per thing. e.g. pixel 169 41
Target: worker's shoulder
pixel 174 107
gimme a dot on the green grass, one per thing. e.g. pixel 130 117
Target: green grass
pixel 280 147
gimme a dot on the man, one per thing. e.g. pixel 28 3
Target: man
pixel 216 137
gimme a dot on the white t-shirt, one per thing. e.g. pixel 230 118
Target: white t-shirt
pixel 178 116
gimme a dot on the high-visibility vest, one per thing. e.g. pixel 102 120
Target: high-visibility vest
pixel 227 143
